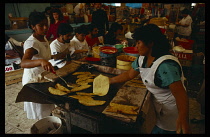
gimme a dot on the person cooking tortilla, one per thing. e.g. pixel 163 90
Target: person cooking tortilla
pixel 162 75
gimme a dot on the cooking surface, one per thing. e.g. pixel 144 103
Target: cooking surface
pixel 43 89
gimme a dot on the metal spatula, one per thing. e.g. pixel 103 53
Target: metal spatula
pixel 60 78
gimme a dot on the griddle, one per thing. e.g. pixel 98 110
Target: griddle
pixel 42 89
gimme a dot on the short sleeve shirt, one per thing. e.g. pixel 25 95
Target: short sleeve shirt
pixel 168 72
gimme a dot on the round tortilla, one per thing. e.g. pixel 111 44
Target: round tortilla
pixel 101 85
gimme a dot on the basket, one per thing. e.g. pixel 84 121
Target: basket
pixel 124 62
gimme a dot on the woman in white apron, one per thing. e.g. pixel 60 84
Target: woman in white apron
pixel 35 61
pixel 162 75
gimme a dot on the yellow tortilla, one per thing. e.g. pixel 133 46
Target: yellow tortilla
pixel 82 87
pixel 84 94
pixel 80 97
pixel 81 73
pixel 84 80
pixel 62 88
pixel 91 102
pixel 120 108
pixel 56 91
pixel 101 85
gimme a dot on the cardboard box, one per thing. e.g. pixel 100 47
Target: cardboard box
pixel 186 55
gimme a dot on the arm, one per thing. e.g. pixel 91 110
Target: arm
pixel 128 75
pixel 17 43
pixel 28 63
pixel 182 102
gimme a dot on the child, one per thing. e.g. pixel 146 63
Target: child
pixel 78 44
pixel 61 45
pixel 35 61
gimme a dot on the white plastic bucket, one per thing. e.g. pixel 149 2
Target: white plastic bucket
pixel 48 125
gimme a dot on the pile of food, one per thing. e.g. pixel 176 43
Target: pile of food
pixel 100 88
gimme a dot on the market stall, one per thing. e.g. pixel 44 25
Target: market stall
pixel 97 119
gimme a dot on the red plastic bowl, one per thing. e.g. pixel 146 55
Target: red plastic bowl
pixel 108 50
pixel 132 50
pixel 92 59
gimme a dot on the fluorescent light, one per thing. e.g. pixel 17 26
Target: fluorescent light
pixel 193 4
pixel 117 4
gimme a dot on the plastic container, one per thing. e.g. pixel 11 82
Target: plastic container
pixel 48 125
pixel 119 47
pixel 107 52
pixel 93 60
pixel 96 51
pixel 131 51
pixel 124 62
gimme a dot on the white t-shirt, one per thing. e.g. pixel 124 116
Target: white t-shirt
pixel 58 47
pixel 75 44
pixel 185 31
pixel 78 7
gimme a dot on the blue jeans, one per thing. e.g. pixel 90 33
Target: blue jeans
pixel 157 130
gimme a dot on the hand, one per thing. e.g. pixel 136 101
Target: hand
pixel 47 65
pixel 182 126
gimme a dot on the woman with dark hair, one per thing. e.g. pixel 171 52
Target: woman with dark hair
pixel 56 18
pixel 162 75
pixel 111 36
pixel 35 62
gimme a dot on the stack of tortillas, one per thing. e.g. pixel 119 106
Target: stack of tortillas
pixel 101 85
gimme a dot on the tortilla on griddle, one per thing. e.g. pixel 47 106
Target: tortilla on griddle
pixel 84 81
pixel 56 91
pixel 91 102
pixel 80 97
pixel 101 85
pixel 85 94
pixel 82 87
pixel 81 73
pixel 62 88
pixel 120 108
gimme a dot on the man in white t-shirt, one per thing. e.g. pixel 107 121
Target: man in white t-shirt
pixel 78 44
pixel 60 47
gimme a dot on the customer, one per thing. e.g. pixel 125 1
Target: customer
pixel 56 18
pixel 35 61
pixel 78 44
pixel 92 36
pixel 184 28
pixel 111 36
pixel 61 45
pixel 100 19
pixel 162 74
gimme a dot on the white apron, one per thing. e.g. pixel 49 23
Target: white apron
pixel 164 101
pixel 30 75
